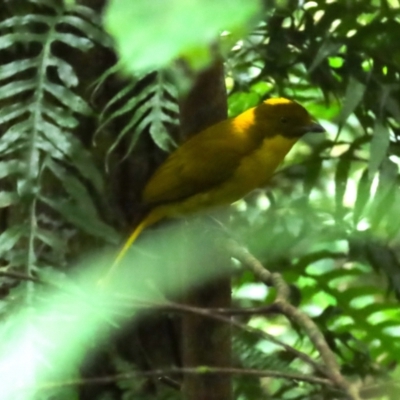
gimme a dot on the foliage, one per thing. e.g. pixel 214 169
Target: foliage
pixel 328 222
pixel 205 24
pixel 39 112
pixel 152 110
pixel 338 230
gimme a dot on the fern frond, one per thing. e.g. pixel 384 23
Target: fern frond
pixel 39 110
pixel 147 104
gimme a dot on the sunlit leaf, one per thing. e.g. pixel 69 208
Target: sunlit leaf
pixel 137 26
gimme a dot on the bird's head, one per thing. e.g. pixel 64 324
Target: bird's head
pixel 287 118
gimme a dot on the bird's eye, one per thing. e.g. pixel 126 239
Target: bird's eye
pixel 284 120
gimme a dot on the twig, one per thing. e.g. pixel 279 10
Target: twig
pixel 201 370
pixel 171 306
pixel 21 277
pixel 294 314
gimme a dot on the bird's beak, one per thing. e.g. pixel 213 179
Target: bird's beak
pixel 313 127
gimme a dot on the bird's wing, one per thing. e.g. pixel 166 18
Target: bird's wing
pixel 199 164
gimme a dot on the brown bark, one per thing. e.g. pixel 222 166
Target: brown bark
pixel 206 342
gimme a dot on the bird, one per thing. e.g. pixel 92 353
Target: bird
pixel 223 163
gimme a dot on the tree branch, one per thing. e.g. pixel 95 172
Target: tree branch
pixel 201 370
pixel 205 312
pixel 332 368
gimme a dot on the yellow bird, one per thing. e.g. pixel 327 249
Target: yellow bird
pixel 223 163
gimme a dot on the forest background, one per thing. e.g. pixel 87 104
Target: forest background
pixel 93 95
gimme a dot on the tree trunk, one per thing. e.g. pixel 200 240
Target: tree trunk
pixel 205 341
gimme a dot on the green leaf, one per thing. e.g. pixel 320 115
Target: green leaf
pixel 242 101
pixel 8 198
pixel 88 29
pixel 393 107
pixel 383 259
pixel 12 38
pixel 49 3
pixel 101 81
pixel 10 237
pixel 65 72
pixel 133 139
pixel 379 147
pixel 26 19
pixel 89 14
pixel 136 26
pixel 76 154
pixel 360 291
pixel 13 68
pixel 313 171
pixel 341 177
pixel 79 42
pixel 158 117
pixel 49 148
pixel 354 93
pixel 363 194
pixel 8 113
pixel 16 87
pixel 340 274
pixel 327 49
pixel 159 132
pixel 73 187
pixel 382 202
pixel 128 106
pixel 81 219
pixel 59 115
pixel 68 98
pixel 51 239
pixel 13 136
pixel 69 3
pixel 10 167
pixel 379 307
pixel 149 114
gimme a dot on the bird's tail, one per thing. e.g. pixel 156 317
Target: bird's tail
pixel 152 217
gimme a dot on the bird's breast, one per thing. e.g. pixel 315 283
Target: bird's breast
pixel 257 167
